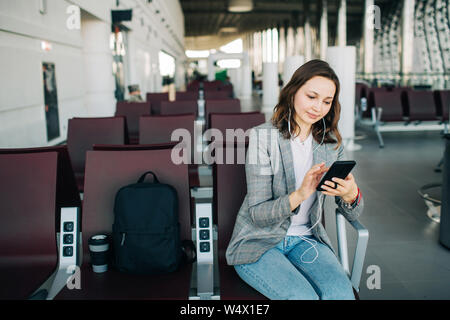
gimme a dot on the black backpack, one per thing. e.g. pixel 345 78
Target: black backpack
pixel 146 231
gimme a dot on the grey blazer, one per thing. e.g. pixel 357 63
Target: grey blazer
pixel 264 216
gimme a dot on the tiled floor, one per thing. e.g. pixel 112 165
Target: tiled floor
pixel 403 241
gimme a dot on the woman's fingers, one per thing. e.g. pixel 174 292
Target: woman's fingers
pixel 339 190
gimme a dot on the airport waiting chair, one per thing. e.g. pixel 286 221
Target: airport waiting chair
pixel 179 107
pixel 37 186
pixel 229 191
pixel 159 129
pixel 132 111
pixel 106 173
pixel 421 105
pixel 390 103
pixel 230 188
pixel 186 96
pixel 155 99
pixel 402 109
pixel 83 133
pixel 216 95
pixel 220 106
pixel 193 86
pixel 212 85
pixel 244 121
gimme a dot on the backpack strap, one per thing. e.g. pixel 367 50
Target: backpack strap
pixel 142 178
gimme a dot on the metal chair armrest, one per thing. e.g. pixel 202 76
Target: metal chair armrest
pixel 361 247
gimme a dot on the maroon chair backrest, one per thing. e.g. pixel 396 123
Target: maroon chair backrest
pixel 179 107
pixel 216 95
pixel 159 129
pixel 221 106
pixel 28 205
pixel 193 86
pixel 83 133
pixel 212 85
pixel 227 87
pixel 390 102
pixel 421 105
pixel 244 121
pixel 155 99
pixel 67 194
pixel 108 171
pixel 28 252
pixel 229 190
pixel 132 111
pixel 442 100
pixel 186 96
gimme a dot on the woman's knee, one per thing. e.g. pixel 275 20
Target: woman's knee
pixel 339 290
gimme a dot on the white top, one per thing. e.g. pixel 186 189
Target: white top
pixel 302 157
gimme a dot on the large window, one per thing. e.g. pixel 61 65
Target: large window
pixel 166 67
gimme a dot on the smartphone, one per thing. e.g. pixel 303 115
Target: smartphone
pixel 339 169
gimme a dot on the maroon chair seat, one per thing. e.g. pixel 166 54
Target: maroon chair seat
pixel 390 102
pixel 230 188
pixel 106 173
pixel 422 106
pixel 158 129
pixel 132 111
pixel 216 95
pixel 442 100
pixel 83 133
pixel 155 99
pixel 28 252
pixel 221 106
pixel 186 96
pixel 179 107
pixel 244 121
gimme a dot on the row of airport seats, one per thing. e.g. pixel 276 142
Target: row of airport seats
pixel 39 183
pixel 159 104
pixel 83 133
pixel 211 87
pixel 402 109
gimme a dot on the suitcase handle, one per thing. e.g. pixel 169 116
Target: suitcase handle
pixel 142 178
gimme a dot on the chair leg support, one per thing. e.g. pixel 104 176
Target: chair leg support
pixel 69 256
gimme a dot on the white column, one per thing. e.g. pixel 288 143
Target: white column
pixel 211 68
pixel 270 86
pixel 246 77
pixel 324 31
pixel 368 36
pixel 290 42
pixel 343 62
pixel 407 36
pixel 342 23
pixel 282 49
pixel 291 64
pixel 308 40
pixel 99 79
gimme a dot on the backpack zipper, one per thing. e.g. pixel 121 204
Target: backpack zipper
pixel 123 239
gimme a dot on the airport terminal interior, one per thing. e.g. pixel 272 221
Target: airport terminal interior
pixel 95 94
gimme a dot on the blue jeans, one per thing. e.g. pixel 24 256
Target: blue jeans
pixel 286 272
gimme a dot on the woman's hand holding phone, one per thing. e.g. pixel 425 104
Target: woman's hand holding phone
pixel 346 189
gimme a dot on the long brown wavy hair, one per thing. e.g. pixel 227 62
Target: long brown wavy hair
pixel 285 104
